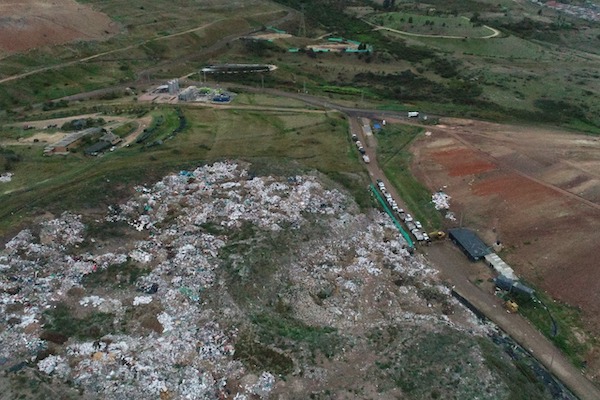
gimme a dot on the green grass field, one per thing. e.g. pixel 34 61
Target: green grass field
pixel 510 48
pixel 394 157
pixel 273 141
pixel 447 25
pixel 569 326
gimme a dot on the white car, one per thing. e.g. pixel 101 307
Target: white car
pixel 408 218
pixel 418 224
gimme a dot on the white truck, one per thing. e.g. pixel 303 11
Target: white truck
pixel 413 114
pixel 366 158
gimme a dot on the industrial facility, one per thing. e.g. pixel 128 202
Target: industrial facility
pixel 469 243
pixel 172 93
pixel 70 141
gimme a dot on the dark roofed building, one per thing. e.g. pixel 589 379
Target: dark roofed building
pixel 94 149
pixel 523 290
pixel 513 286
pixel 469 243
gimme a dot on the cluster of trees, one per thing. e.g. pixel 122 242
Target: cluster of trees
pixel 79 124
pixel 52 105
pixel 8 158
pixel 389 4
pixel 406 85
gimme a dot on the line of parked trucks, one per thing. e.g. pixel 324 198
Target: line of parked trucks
pixel 361 149
pixel 415 227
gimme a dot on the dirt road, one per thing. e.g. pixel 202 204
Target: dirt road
pixel 218 44
pixel 456 269
pixel 495 32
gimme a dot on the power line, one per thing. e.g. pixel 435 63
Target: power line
pixel 302 27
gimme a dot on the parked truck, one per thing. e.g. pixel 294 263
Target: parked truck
pixel 437 235
pixel 366 158
pixel 413 114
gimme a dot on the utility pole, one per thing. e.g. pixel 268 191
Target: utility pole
pixel 302 27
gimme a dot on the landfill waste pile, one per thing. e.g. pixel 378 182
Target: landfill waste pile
pixel 219 284
pixel 440 200
pixel 6 177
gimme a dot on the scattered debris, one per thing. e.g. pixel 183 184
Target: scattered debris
pixel 6 177
pixel 440 200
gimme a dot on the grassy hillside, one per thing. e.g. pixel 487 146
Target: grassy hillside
pixel 289 140
pixel 517 76
pixel 153 35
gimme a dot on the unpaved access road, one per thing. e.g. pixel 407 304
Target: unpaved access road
pixel 456 269
pixel 213 47
pixel 495 32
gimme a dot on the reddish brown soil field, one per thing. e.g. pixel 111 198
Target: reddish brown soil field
pixel 28 24
pixel 535 190
pixel 469 164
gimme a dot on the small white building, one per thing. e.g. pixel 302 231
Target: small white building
pixel 502 268
pixel 190 93
pixel 173 86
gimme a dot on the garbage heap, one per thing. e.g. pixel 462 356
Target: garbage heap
pixel 159 308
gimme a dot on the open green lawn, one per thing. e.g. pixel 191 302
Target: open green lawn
pixel 261 99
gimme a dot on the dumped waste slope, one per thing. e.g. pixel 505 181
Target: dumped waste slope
pixel 216 283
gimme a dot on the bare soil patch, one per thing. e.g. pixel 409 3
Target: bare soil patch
pixel 536 190
pixel 28 24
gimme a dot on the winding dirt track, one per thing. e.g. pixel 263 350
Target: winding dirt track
pixel 198 28
pixel 495 32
